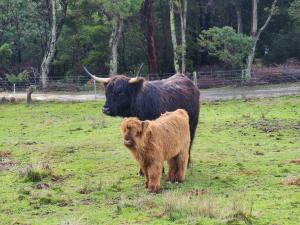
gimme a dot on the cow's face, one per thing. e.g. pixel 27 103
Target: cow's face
pixel 119 93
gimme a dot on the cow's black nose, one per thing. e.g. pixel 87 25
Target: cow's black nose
pixel 106 110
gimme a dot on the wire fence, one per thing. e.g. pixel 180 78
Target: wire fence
pixel 207 79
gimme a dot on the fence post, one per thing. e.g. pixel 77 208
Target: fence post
pixel 195 78
pixel 14 88
pixel 95 89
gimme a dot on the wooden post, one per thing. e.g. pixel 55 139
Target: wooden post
pixel 195 78
pixel 95 89
pixel 30 90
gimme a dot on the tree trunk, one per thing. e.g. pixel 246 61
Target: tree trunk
pixel 173 35
pixel 256 35
pixel 118 26
pixel 30 90
pixel 147 18
pixel 254 18
pixel 183 14
pixel 48 57
pixel 238 11
pixel 250 60
pixel 56 26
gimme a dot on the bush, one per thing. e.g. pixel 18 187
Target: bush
pixel 285 46
pixel 20 78
pixel 226 44
pixel 5 54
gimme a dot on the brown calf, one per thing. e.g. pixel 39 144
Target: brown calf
pixel 153 142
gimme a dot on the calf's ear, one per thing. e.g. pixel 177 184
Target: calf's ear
pixel 145 124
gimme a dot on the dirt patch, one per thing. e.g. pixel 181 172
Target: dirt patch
pixel 198 192
pixel 4 154
pixel 248 172
pixel 6 163
pixel 17 223
pixel 86 202
pixel 42 186
pixel 275 125
pixel 295 161
pixel 291 181
pixel 271 125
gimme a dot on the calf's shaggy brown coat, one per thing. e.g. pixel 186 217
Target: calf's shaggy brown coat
pixel 153 142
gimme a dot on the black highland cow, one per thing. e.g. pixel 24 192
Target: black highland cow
pixel 147 100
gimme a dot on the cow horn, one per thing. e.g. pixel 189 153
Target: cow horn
pixel 135 80
pixel 99 79
pixel 139 70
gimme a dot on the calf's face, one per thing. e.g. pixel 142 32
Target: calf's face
pixel 132 130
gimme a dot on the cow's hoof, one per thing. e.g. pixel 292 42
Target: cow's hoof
pixel 141 173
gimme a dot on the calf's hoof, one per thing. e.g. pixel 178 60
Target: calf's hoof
pixel 172 179
pixel 153 189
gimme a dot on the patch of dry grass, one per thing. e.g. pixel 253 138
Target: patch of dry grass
pixel 291 180
pixel 177 205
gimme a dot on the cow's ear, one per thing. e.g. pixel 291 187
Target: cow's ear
pixel 136 80
pixel 105 84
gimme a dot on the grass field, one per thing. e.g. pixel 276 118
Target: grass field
pixel 64 163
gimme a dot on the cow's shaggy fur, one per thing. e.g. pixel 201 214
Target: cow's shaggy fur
pixel 153 142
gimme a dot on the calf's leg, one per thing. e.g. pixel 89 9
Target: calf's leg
pixel 182 162
pixel 172 170
pixel 154 173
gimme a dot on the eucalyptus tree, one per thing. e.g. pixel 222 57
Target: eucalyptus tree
pixel 179 7
pixel 57 15
pixel 116 13
pixel 19 28
pixel 255 32
pixel 294 9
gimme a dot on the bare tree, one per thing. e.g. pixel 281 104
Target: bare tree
pixel 58 15
pixel 118 26
pixel 183 13
pixel 116 13
pixel 181 7
pixel 173 36
pixel 238 10
pixel 255 33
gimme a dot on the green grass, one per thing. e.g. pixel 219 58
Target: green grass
pixel 67 165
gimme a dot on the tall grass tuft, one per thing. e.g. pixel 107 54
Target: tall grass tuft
pixel 36 173
pixel 177 206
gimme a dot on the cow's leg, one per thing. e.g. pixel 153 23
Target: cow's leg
pixel 182 162
pixel 172 170
pixel 154 173
pixel 193 121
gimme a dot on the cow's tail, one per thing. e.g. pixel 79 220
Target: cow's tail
pixel 193 127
